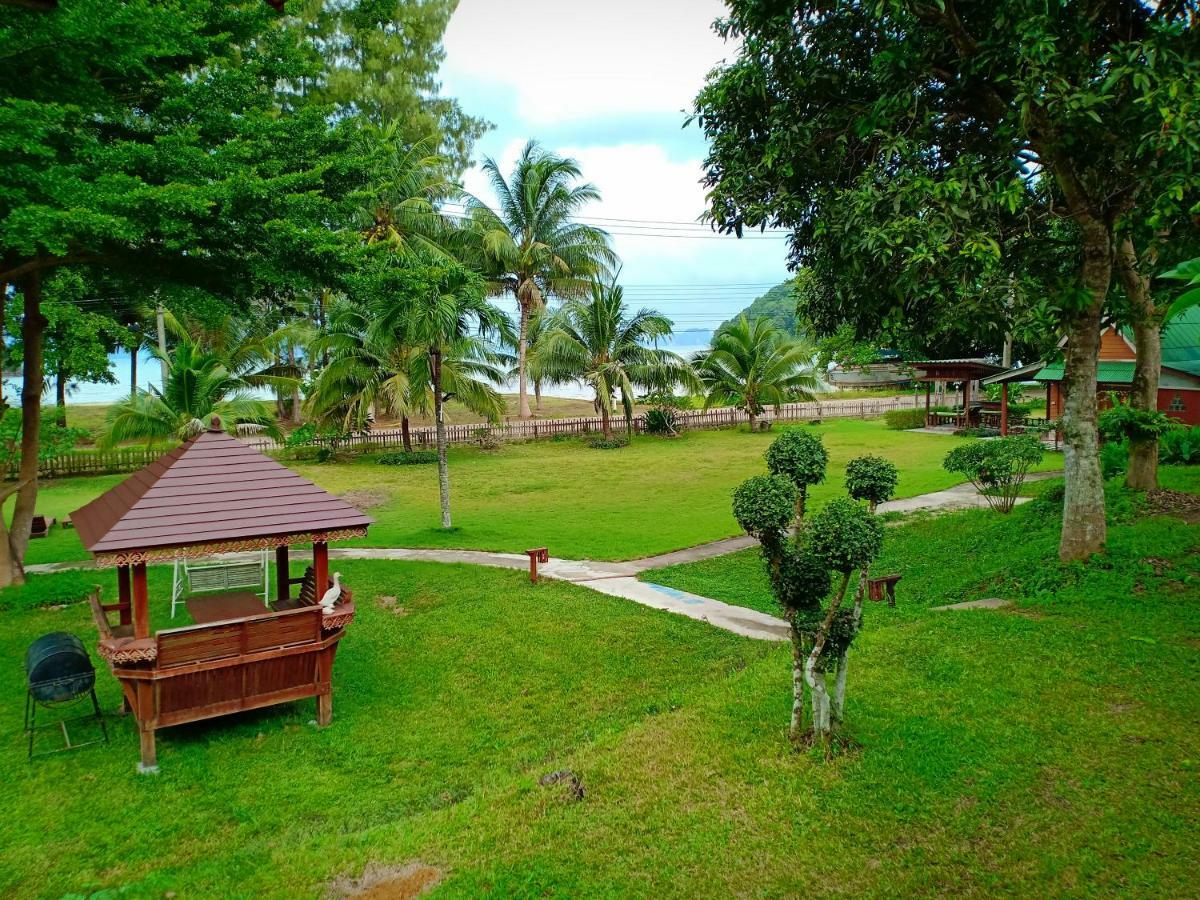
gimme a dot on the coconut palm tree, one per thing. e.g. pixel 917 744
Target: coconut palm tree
pixel 199 384
pixel 539 326
pixel 601 343
pixel 445 318
pixel 531 245
pixel 753 365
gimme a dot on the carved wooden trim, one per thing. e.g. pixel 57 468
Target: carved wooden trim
pixel 197 551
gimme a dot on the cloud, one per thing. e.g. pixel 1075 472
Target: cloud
pixel 577 60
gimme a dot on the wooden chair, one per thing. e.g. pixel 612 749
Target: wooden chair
pixel 307 596
pixel 41 526
pixel 100 616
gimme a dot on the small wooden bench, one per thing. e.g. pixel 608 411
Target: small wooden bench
pixel 41 526
pixel 883 586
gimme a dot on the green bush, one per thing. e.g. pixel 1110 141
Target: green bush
pixel 1180 446
pixel 408 458
pixel 845 535
pixel 1114 458
pixel 56 589
pixel 799 456
pixel 871 478
pixel 488 438
pixel 616 442
pixel 764 505
pixel 662 420
pixel 996 467
pixel 1122 421
pixel 904 419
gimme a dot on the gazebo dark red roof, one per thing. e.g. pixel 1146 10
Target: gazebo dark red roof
pixel 212 494
pixel 215 494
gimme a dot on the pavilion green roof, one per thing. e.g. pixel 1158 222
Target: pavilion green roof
pixel 1121 372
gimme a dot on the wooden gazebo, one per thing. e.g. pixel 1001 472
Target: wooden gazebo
pixel 953 370
pixel 216 495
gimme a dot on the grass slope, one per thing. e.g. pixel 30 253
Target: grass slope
pixel 1045 750
pixel 654 496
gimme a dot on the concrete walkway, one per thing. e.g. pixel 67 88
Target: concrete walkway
pixel 619 579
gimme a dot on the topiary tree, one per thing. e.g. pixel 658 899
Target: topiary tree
pixel 799 456
pixel 871 478
pixel 996 466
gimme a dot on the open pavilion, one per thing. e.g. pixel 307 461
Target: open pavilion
pixel 953 371
pixel 216 495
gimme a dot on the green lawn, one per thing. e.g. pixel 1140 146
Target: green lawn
pixel 654 496
pixel 1046 750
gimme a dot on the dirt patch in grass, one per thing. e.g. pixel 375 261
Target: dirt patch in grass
pixel 365 499
pixel 389 882
pixel 391 604
pixel 1174 503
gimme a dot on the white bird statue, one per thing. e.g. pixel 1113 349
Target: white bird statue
pixel 331 595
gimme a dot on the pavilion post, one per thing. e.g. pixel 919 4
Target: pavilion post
pixel 1004 409
pixel 928 391
pixel 321 567
pixel 966 403
pixel 124 595
pixel 283 587
pixel 1048 414
pixel 141 602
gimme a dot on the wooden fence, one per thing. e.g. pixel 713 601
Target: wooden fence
pixel 89 462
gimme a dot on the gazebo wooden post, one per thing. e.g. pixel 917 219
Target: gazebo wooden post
pixel 966 403
pixel 283 587
pixel 321 567
pixel 141 602
pixel 928 391
pixel 124 595
pixel 1004 409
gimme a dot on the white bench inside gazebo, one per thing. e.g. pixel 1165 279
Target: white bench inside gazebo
pixel 217 576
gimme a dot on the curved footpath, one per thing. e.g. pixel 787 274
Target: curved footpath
pixel 619 579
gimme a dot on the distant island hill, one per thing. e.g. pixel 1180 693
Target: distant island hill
pixel 778 304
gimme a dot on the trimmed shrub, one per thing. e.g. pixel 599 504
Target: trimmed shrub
pixel 800 457
pixel 414 458
pixel 904 419
pixel 764 505
pixel 845 535
pixel 997 467
pixel 871 478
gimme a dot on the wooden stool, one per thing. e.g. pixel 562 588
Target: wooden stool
pixel 537 555
pixel 885 585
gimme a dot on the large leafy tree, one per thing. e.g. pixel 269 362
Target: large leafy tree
pixel 148 140
pixel 753 365
pixel 612 349
pixel 969 161
pixel 532 246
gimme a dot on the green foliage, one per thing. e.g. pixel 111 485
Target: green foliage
pixel 799 456
pixel 1122 421
pixel 845 535
pixel 765 506
pixel 662 420
pixel 53 439
pixel 871 478
pixel 846 349
pixel 802 579
pixel 904 419
pixel 616 442
pixel 408 458
pixel 997 466
pixel 1180 446
pixel 752 365
pixel 1188 273
pixel 56 589
pixel 778 305
pixel 1114 458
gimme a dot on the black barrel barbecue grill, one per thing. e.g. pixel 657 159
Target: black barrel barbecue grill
pixel 59 672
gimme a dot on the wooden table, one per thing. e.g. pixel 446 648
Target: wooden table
pixel 219 607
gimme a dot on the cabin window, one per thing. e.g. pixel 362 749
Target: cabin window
pixel 1176 404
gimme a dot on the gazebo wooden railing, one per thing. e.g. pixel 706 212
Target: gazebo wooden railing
pixel 216 495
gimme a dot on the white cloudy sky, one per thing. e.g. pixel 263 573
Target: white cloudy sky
pixel 609 84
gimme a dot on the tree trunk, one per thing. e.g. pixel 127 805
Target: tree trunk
pixel 60 398
pixel 537 395
pixel 815 677
pixel 33 328
pixel 801 502
pixel 1083 526
pixel 133 373
pixel 405 435
pixel 443 465
pixel 296 417
pixel 161 327
pixel 1147 341
pixel 796 730
pixel 523 410
pixel 843 666
pixel 753 419
pixel 605 420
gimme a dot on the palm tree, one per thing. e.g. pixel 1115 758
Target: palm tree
pixel 538 327
pixel 199 384
pixel 401 211
pixel 531 245
pixel 445 320
pixel 600 343
pixel 753 365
